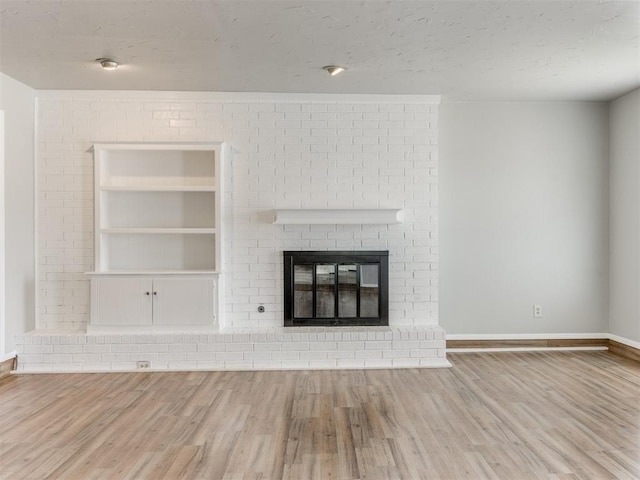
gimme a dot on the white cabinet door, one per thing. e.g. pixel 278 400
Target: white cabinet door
pixel 123 301
pixel 182 302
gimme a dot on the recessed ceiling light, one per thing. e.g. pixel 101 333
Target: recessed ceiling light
pixel 107 63
pixel 334 70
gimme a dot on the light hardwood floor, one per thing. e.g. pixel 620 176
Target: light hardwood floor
pixel 539 415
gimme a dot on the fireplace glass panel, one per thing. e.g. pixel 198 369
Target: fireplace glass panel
pixel 369 290
pixel 336 288
pixel 347 291
pixel 303 291
pixel 325 291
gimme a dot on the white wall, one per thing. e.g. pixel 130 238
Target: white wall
pixel 625 216
pixel 18 102
pixel 524 209
pixel 288 151
pixel 2 254
pixel 523 217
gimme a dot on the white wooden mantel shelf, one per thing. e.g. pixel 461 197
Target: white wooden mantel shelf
pixel 335 216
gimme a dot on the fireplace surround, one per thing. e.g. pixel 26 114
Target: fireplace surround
pixel 336 288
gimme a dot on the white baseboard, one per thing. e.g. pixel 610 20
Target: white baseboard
pixel 522 349
pixel 7 356
pixel 536 336
pixel 623 340
pixel 527 336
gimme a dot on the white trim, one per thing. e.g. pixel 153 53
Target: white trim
pixel 7 356
pixel 527 336
pixel 523 349
pixel 625 341
pixel 436 363
pixel 150 330
pixel 537 336
pixel 36 209
pixel 242 97
pixel 153 146
pixel 158 188
pixel 159 231
pixel 3 327
pixel 157 273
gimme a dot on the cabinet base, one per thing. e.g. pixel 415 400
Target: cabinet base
pixel 150 329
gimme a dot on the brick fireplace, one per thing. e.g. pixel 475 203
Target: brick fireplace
pixel 288 151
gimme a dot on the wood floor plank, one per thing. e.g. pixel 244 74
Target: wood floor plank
pixel 534 415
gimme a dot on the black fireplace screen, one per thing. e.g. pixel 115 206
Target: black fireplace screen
pixel 336 288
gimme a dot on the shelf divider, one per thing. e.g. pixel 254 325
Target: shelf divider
pixel 160 230
pixel 158 188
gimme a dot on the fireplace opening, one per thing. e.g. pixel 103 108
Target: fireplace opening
pixel 339 288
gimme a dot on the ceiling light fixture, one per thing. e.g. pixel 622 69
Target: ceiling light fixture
pixel 334 70
pixel 107 63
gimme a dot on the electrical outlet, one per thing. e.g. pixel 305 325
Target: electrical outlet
pixel 537 311
pixel 143 364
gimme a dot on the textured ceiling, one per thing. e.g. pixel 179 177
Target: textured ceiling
pixel 526 50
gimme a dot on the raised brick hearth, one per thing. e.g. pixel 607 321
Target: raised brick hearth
pixel 237 349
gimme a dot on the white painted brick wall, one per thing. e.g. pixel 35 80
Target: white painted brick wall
pixel 287 152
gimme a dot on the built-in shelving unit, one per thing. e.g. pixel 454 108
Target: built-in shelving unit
pixel 157 214
pixel 334 216
pixel 157 207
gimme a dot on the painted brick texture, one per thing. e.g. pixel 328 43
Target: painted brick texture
pixel 284 153
pixel 236 349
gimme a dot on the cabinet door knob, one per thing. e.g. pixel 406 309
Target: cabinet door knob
pixel 155 293
pixel 146 293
